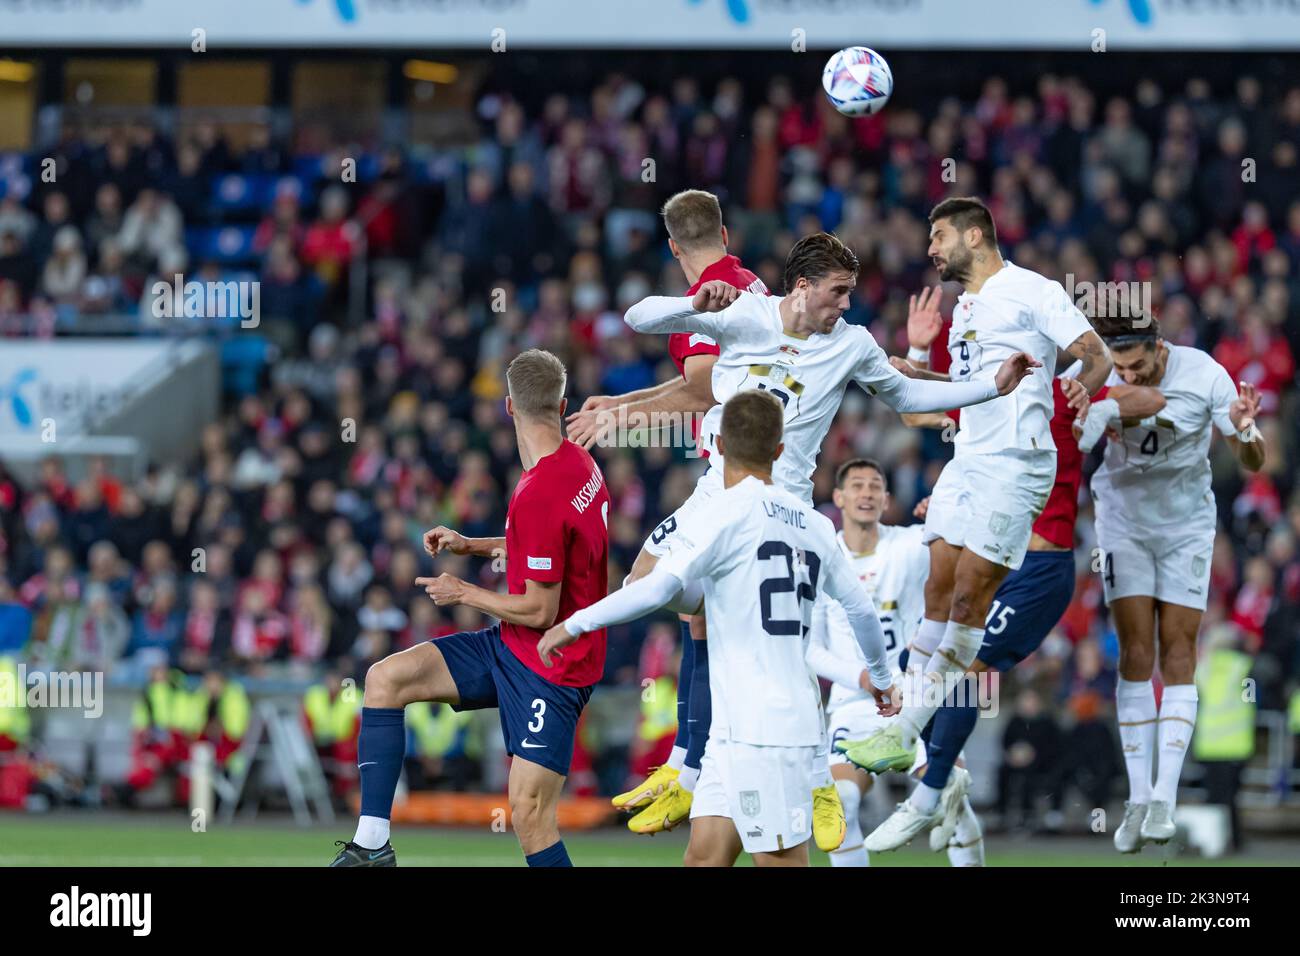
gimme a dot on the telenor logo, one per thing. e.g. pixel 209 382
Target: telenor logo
pixel 736 8
pixel 347 9
pixel 22 412
pixel 1141 10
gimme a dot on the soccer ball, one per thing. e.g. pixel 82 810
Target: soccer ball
pixel 857 81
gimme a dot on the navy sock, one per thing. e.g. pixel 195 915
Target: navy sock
pixel 684 679
pixel 381 748
pixel 952 726
pixel 553 855
pixel 700 711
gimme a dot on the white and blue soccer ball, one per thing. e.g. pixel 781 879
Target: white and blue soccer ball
pixel 857 81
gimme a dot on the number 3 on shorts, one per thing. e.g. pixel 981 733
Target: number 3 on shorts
pixel 539 716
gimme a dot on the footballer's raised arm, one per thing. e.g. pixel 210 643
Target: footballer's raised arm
pixel 702 312
pixel 1092 352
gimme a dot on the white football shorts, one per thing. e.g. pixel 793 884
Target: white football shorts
pixel 765 791
pixel 988 503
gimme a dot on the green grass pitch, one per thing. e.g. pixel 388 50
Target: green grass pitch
pixel 167 840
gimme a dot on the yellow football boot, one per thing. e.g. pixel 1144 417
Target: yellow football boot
pixel 669 809
pixel 829 825
pixel 644 793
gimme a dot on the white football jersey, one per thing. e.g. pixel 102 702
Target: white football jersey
pixel 809 375
pixel 1015 311
pixel 893 576
pixel 1158 476
pixel 763 556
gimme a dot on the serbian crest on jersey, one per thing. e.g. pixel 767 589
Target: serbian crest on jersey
pixel 749 803
pixel 780 380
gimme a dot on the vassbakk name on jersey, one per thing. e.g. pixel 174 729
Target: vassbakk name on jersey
pixel 587 493
pixel 790 516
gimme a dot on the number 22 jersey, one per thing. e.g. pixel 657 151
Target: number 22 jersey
pixel 763 556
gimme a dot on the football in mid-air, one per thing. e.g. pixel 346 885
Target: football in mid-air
pixel 857 81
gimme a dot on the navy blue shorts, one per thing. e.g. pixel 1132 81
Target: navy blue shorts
pixel 539 720
pixel 1027 606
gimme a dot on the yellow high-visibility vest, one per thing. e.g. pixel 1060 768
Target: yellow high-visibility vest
pixel 435 726
pixel 1294 712
pixel 331 720
pixel 15 722
pixel 1225 719
pixel 658 710
pixel 158 708
pixel 233 710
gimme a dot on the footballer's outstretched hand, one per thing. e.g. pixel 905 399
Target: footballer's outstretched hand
pixel 714 296
pixel 924 320
pixel 1076 397
pixel 444 539
pixel 587 428
pixel 555 638
pixel 445 589
pixel 1013 370
pixel 1245 409
pixel 888 702
pixel 904 367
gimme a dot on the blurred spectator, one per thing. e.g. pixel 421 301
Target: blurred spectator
pixel 1031 745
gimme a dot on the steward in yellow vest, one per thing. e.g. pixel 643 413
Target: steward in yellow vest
pixel 1225 719
pixel 15 723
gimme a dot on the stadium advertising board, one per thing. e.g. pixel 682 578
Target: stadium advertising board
pixel 504 24
pixel 69 383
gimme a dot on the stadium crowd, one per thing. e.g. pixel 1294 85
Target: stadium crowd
pixel 341 441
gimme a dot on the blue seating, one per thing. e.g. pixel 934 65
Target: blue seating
pixel 237 193
pixel 227 244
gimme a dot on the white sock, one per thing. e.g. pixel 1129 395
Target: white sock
pixel 1135 707
pixel 955 654
pixel 821 768
pixel 967 847
pixel 851 851
pixel 676 759
pixel 928 637
pixel 1177 721
pixel 372 832
pixel 686 779
pixel 924 798
pixel 958 649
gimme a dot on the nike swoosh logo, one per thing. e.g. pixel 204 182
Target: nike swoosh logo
pixel 377 854
pixel 368 763
pixel 525 744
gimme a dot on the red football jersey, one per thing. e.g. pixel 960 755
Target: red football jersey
pixel 682 345
pixel 728 269
pixel 557 530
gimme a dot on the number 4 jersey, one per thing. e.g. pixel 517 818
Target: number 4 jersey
pixel 1156 478
pixel 763 557
pixel 893 576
